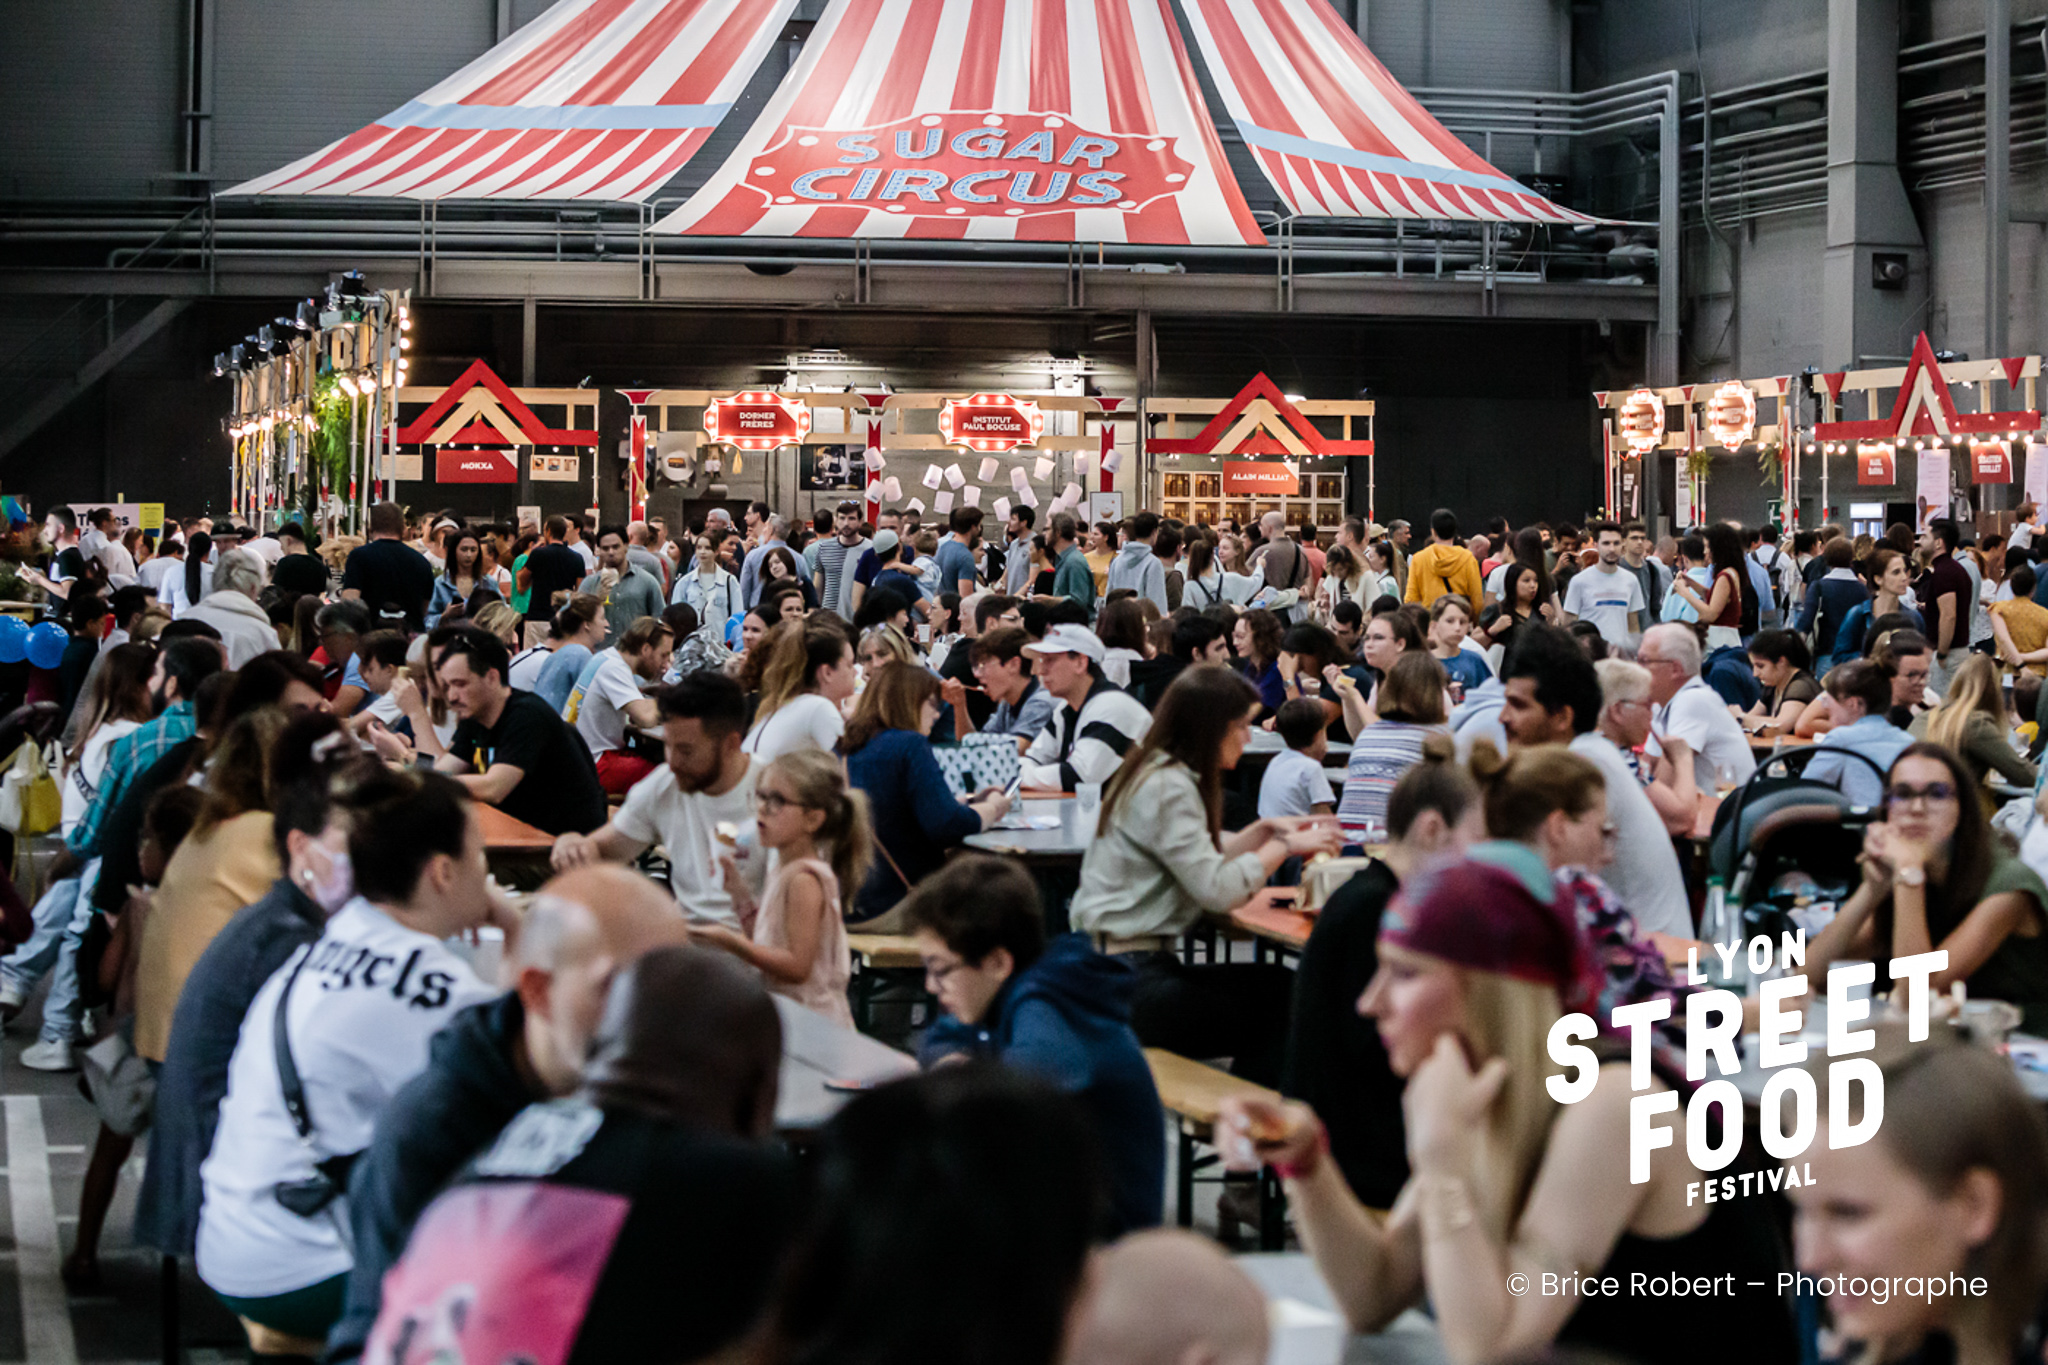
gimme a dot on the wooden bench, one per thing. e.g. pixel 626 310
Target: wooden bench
pixel 878 961
pixel 1194 1093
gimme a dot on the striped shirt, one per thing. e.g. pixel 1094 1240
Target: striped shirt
pixel 1386 750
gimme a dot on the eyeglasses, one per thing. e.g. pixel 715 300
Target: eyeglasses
pixel 773 801
pixel 936 972
pixel 1932 793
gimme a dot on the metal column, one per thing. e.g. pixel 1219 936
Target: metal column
pixel 1670 246
pixel 1997 174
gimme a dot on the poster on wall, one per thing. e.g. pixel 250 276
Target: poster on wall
pixel 1684 514
pixel 830 469
pixel 2037 474
pixel 1930 495
pixel 1876 464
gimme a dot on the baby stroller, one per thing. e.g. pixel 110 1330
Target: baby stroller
pixel 1784 841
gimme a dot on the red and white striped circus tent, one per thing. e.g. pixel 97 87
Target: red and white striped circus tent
pixel 600 100
pixel 995 120
pixel 1038 120
pixel 1335 133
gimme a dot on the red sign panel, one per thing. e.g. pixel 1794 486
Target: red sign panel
pixel 990 421
pixel 1876 465
pixel 1991 462
pixel 476 466
pixel 1259 477
pixel 757 421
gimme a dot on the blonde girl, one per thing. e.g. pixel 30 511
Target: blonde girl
pixel 821 832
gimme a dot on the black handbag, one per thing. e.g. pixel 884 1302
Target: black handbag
pixel 329 1180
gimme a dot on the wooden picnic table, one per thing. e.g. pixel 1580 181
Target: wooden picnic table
pixel 1286 930
pixel 505 834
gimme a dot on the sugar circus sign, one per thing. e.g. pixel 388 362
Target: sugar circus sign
pixel 970 165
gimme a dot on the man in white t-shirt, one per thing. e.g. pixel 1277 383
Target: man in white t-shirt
pixel 360 1006
pixel 608 697
pixel 699 805
pixel 1551 695
pixel 1607 595
pixel 1692 727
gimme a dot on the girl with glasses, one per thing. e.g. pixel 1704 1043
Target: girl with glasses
pixel 1935 877
pixel 820 831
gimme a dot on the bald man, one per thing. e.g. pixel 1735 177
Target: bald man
pixel 494 1059
pixel 1169 1297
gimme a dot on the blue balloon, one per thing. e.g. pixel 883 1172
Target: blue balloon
pixel 46 645
pixel 13 639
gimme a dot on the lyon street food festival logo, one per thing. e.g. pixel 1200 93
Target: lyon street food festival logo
pixel 970 165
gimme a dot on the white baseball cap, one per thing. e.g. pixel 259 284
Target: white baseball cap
pixel 1069 639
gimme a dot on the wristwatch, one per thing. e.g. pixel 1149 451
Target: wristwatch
pixel 1910 876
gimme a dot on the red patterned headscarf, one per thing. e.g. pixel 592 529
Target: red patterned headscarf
pixel 1497 910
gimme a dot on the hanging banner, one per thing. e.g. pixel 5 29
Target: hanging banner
pixel 1876 464
pixel 2037 474
pixel 1991 462
pixel 1684 514
pixel 636 468
pixel 1257 478
pixel 1930 495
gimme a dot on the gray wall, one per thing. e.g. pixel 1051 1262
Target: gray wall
pixel 89 96
pixel 291 76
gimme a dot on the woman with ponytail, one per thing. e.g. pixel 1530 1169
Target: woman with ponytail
pixel 183 589
pixel 820 830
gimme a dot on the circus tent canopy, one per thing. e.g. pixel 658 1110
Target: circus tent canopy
pixel 600 100
pixel 1040 120
pixel 1025 120
pixel 1335 133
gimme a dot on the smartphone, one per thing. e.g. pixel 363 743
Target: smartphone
pixel 1016 785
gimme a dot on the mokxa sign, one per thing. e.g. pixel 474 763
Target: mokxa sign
pixel 1713 1021
pixel 970 165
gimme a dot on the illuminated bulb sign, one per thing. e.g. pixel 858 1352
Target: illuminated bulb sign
pixel 757 421
pixel 1641 421
pixel 1731 414
pixel 990 422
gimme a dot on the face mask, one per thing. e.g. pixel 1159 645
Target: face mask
pixel 330 890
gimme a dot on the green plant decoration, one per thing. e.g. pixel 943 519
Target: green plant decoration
pixel 1771 460
pixel 1699 464
pixel 330 440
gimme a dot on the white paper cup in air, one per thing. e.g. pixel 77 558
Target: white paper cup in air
pixel 989 465
pixel 933 475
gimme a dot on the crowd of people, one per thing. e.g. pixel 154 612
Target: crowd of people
pixel 751 741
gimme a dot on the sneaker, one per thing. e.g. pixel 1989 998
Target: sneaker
pixel 12 998
pixel 51 1054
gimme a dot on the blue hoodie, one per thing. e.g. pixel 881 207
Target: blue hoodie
pixel 1067 1018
